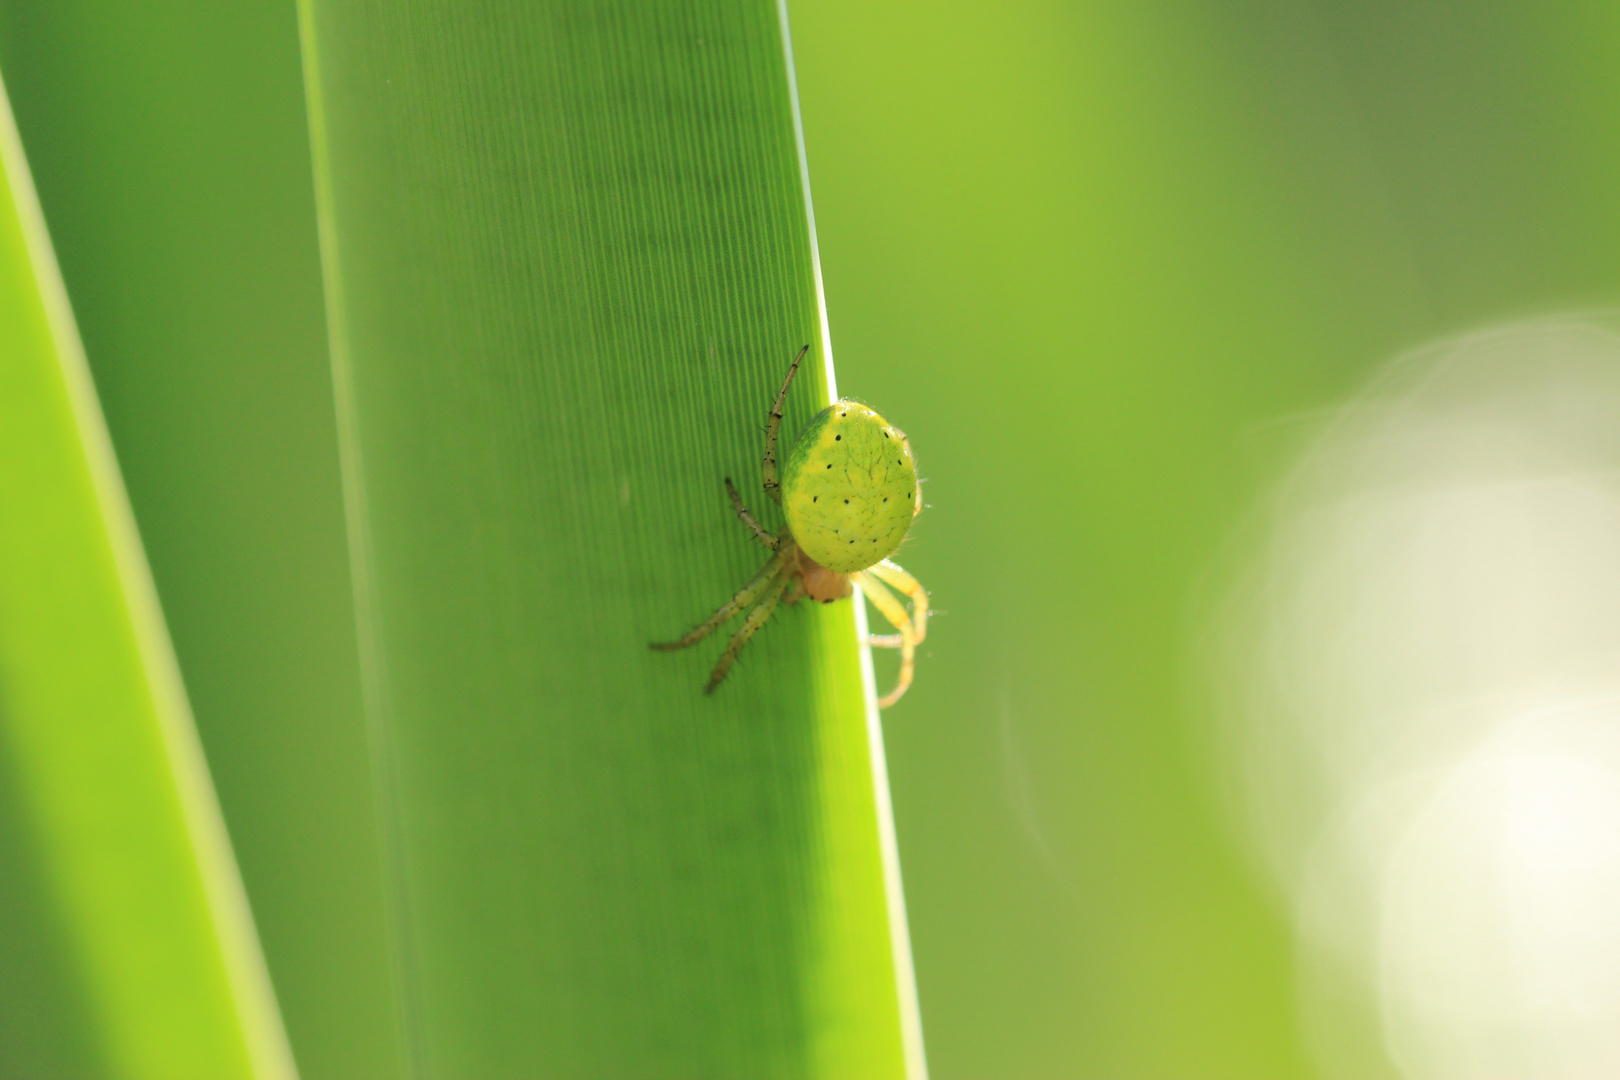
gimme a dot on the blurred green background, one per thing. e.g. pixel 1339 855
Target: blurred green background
pixel 1103 261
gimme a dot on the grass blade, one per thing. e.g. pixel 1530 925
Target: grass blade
pixel 107 770
pixel 170 147
pixel 568 259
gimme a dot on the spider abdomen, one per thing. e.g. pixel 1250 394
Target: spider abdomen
pixel 849 488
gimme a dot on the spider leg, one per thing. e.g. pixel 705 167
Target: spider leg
pixel 773 486
pixel 755 620
pixel 765 538
pixel 746 596
pixel 895 612
pixel 894 574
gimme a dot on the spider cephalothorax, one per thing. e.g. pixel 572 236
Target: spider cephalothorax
pixel 849 491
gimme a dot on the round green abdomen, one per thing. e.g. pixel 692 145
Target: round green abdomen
pixel 849 488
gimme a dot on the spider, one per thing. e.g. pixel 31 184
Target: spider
pixel 849 491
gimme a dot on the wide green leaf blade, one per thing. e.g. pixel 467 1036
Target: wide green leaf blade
pixel 568 259
pixel 106 786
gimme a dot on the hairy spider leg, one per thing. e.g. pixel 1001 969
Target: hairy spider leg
pixel 895 612
pixel 755 620
pixel 773 486
pixel 894 574
pixel 772 542
pixel 746 596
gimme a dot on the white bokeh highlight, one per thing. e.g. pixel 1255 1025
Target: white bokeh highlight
pixel 1417 662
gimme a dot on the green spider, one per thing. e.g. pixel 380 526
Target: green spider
pixel 849 491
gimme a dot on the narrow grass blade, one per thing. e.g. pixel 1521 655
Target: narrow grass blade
pixel 169 144
pixel 104 766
